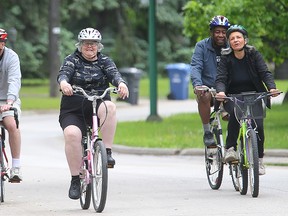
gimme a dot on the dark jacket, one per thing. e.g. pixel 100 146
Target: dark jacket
pixel 203 64
pixel 89 75
pixel 261 77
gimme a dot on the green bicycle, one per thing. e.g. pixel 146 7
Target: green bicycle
pixel 248 106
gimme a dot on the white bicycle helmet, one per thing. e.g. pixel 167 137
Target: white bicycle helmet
pixel 89 34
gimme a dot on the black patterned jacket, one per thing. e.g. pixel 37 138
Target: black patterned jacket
pixel 89 75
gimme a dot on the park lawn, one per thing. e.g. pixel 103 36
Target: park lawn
pixel 185 131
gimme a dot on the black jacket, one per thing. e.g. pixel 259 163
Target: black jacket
pixel 261 77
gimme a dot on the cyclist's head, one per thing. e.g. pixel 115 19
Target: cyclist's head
pixel 89 34
pixel 219 21
pixel 237 28
pixel 3 35
pixel 218 27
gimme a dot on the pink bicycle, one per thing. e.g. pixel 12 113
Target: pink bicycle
pixel 94 173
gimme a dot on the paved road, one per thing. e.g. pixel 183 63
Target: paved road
pixel 139 184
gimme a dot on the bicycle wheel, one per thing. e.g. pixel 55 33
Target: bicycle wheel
pixel 99 177
pixel 2 178
pixel 233 169
pixel 214 163
pixel 253 160
pixel 85 190
pixel 241 171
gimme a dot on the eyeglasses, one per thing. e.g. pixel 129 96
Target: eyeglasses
pixel 89 43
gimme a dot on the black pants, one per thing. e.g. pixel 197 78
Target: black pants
pixel 233 130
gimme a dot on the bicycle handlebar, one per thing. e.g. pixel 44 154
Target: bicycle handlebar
pixel 93 97
pixel 262 95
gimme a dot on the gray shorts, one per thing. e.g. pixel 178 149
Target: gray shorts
pixel 16 104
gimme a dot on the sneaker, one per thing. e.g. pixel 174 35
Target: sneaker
pixel 74 190
pixel 225 116
pixel 15 175
pixel 110 160
pixel 230 155
pixel 261 167
pixel 208 138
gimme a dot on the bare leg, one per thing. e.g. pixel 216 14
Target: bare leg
pixel 204 107
pixel 73 148
pixel 109 127
pixel 14 136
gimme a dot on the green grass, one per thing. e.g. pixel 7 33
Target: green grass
pixel 178 131
pixel 185 131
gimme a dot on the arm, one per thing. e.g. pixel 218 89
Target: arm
pixel 197 65
pixel 14 79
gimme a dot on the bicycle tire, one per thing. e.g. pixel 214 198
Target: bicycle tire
pixel 233 169
pixel 100 177
pixel 214 163
pixel 242 171
pixel 253 160
pixel 85 191
pixel 2 169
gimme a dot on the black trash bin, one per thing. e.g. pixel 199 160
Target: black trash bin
pixel 132 77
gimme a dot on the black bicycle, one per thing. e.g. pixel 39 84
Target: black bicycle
pixel 4 165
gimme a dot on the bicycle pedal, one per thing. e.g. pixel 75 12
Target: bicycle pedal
pixel 110 166
pixel 14 181
pixel 234 162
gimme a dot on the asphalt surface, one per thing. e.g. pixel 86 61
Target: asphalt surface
pixel 156 182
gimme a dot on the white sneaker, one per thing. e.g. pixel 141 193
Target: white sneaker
pixel 230 155
pixel 15 174
pixel 261 167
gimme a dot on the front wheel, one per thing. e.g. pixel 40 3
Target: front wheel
pixel 99 176
pixel 253 161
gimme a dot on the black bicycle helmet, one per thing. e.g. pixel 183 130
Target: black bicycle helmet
pixel 237 28
pixel 219 20
pixel 3 35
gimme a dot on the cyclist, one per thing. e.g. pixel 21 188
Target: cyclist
pixel 204 68
pixel 10 84
pixel 242 69
pixel 89 68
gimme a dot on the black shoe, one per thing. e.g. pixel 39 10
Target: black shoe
pixel 74 191
pixel 110 160
pixel 208 139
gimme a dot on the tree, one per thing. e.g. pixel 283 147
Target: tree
pixel 265 21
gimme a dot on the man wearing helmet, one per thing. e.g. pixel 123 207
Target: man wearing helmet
pixel 10 84
pixel 88 68
pixel 242 69
pixel 204 63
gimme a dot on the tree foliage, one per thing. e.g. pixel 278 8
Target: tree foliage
pixel 265 21
pixel 122 23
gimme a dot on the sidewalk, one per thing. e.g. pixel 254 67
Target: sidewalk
pixel 141 111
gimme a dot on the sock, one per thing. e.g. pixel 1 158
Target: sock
pixel 108 150
pixel 206 127
pixel 75 178
pixel 15 162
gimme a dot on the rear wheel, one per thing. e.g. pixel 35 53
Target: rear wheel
pixel 85 190
pixel 214 162
pixel 99 177
pixel 253 160
pixel 3 172
pixel 242 171
pixel 233 169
